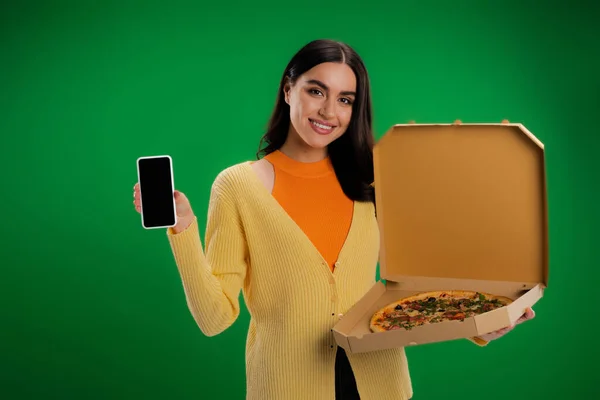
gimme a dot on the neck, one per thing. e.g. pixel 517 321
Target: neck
pixel 295 148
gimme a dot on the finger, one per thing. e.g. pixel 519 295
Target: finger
pixel 136 186
pixel 138 209
pixel 501 332
pixel 529 314
pixel 521 319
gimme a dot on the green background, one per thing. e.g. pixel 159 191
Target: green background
pixel 92 305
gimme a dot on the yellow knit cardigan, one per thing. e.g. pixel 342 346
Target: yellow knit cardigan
pixel 253 246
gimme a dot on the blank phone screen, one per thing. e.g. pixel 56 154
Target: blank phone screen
pixel 156 191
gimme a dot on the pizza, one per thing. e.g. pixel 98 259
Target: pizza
pixel 434 307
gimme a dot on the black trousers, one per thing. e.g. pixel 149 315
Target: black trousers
pixel 345 385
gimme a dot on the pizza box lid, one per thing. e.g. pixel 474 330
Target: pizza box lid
pixel 462 201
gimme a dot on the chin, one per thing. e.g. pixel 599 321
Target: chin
pixel 316 141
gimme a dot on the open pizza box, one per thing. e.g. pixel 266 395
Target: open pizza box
pixel 459 207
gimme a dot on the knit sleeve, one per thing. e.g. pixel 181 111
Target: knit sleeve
pixel 212 278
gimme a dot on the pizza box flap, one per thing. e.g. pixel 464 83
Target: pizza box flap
pixel 462 201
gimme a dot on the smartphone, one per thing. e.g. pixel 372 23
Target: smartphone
pixel 157 191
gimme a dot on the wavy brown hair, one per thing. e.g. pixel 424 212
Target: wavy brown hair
pixel 352 153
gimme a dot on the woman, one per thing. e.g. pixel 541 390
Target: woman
pixel 296 232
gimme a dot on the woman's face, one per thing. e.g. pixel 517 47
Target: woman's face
pixel 321 103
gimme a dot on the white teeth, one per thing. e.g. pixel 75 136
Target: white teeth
pixel 320 125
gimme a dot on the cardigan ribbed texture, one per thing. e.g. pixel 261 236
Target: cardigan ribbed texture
pixel 252 245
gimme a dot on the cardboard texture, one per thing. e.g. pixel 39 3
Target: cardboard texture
pixel 459 207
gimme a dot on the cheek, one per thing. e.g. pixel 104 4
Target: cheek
pixel 345 115
pixel 296 105
pixel 303 109
pixel 309 106
pixel 295 111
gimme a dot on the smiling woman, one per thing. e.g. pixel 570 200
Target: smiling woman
pixel 296 232
pixel 300 222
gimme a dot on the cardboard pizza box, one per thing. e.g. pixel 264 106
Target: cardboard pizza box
pixel 459 207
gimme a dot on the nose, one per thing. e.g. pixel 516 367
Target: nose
pixel 327 110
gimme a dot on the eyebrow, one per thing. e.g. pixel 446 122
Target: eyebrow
pixel 324 86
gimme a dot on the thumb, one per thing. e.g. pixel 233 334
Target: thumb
pixel 179 196
pixel 182 204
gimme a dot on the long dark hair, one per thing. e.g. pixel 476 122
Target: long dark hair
pixel 352 153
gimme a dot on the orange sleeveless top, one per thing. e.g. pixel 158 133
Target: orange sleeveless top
pixel 312 196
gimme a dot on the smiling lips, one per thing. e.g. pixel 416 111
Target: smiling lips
pixel 321 127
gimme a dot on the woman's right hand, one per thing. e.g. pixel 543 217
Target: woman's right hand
pixel 185 215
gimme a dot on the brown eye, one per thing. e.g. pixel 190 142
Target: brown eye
pixel 346 101
pixel 315 92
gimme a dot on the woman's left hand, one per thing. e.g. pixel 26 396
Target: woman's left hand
pixel 528 315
